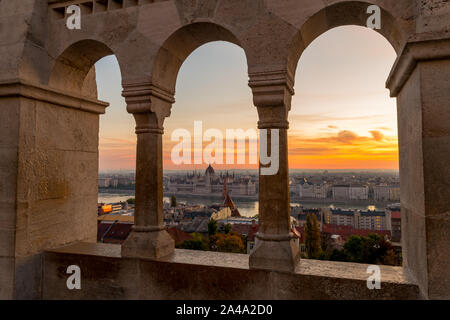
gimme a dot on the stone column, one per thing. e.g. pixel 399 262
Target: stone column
pixel 274 248
pixel 149 106
pixel 420 80
pixel 48 178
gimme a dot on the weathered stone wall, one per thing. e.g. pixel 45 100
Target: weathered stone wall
pixel 424 139
pixel 210 275
pixel 49 167
pixel 57 177
pixel 434 16
pixel 9 128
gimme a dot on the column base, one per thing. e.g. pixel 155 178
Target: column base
pixel 148 244
pixel 276 255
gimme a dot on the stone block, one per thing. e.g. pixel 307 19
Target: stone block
pixel 150 245
pixel 275 255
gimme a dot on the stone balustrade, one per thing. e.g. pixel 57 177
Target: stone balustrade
pixel 201 275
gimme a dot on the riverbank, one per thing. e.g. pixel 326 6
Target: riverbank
pixel 211 196
pixel 245 198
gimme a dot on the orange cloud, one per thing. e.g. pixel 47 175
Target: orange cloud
pixel 341 150
pixel 377 135
pixel 344 150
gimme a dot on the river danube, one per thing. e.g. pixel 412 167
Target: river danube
pixel 248 208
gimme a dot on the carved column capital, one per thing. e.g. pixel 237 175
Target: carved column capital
pixel 272 94
pixel 415 51
pixel 149 104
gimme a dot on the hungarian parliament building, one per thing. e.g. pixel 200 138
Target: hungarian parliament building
pixel 211 183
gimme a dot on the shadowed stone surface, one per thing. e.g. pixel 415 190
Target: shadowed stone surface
pixel 210 275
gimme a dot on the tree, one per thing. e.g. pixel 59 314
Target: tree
pixel 227 228
pixel 173 201
pixel 312 237
pixel 196 243
pixel 316 236
pixel 326 243
pixel 373 249
pixel 212 227
pixel 308 235
pixel 390 258
pixel 338 255
pixel 229 243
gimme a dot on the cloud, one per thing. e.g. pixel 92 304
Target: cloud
pixel 343 143
pixel 377 135
pixel 384 128
pixel 347 137
pixel 310 151
pixel 343 137
pixel 318 117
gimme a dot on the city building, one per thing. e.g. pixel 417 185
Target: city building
pixel 344 232
pixel 340 217
pixel 386 193
pixel 211 183
pixel 396 222
pixel 301 213
pixel 113 208
pixel 358 192
pixel 113 231
pixel 341 192
pixel 372 220
pixel 358 219
pixel 394 193
pixel 307 189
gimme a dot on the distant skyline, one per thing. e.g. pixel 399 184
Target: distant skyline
pixel 255 171
pixel 341 116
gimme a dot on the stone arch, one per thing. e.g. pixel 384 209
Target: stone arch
pixel 74 70
pixel 180 44
pixel 341 14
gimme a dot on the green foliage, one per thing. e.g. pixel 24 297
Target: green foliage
pixel 322 255
pixel 196 243
pixel 369 249
pixel 373 249
pixel 212 227
pixel 230 242
pixel 173 201
pixel 338 255
pixel 326 243
pixel 308 234
pixel 197 236
pixel 227 228
pixel 131 201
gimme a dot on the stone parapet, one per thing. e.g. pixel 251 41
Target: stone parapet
pixel 210 275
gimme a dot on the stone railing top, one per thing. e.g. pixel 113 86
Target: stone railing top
pixel 306 267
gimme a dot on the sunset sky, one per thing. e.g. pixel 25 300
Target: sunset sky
pixel 341 116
